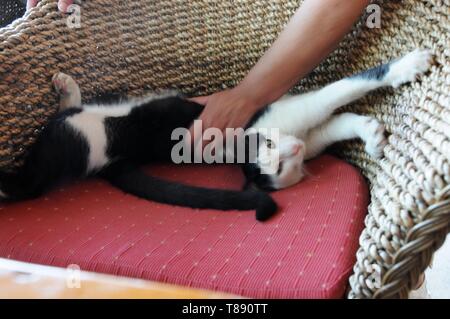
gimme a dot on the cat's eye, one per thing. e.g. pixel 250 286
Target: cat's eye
pixel 270 144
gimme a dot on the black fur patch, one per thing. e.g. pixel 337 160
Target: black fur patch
pixel 376 73
pixel 144 135
pixel 107 98
pixel 132 180
pixel 59 153
pixel 254 177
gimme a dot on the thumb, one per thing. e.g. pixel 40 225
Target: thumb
pixel 203 100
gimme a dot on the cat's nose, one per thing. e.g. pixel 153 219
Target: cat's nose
pixel 296 149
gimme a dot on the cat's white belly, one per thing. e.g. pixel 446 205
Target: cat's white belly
pixel 91 127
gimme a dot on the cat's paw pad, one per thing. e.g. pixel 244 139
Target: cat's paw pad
pixel 410 67
pixel 375 138
pixel 64 84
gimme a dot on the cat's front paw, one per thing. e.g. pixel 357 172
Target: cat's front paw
pixel 64 84
pixel 375 137
pixel 410 67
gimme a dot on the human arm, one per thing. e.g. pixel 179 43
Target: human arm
pixel 313 32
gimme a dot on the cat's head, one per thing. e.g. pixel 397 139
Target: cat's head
pixel 274 162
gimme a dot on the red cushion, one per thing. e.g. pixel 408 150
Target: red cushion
pixel 306 251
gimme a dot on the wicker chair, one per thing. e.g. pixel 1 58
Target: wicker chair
pixel 201 46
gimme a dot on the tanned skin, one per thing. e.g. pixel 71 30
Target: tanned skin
pixel 312 34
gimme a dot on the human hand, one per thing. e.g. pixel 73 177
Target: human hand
pixel 63 5
pixel 232 108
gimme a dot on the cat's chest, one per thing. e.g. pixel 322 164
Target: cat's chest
pixel 280 125
pixel 283 117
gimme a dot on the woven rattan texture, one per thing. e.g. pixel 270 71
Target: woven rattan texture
pixel 203 46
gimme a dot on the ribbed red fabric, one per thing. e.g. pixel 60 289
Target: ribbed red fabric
pixel 306 251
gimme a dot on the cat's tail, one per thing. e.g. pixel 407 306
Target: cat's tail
pixel 14 187
pixel 134 181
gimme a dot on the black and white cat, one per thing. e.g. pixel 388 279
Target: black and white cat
pixel 112 139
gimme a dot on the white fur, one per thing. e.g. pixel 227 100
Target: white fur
pixel 90 122
pixel 90 126
pixel 308 118
pixel 305 117
pixel 296 115
pixel 410 67
pixel 347 126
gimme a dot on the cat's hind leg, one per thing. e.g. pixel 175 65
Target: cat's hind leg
pixel 68 90
pixel 347 126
